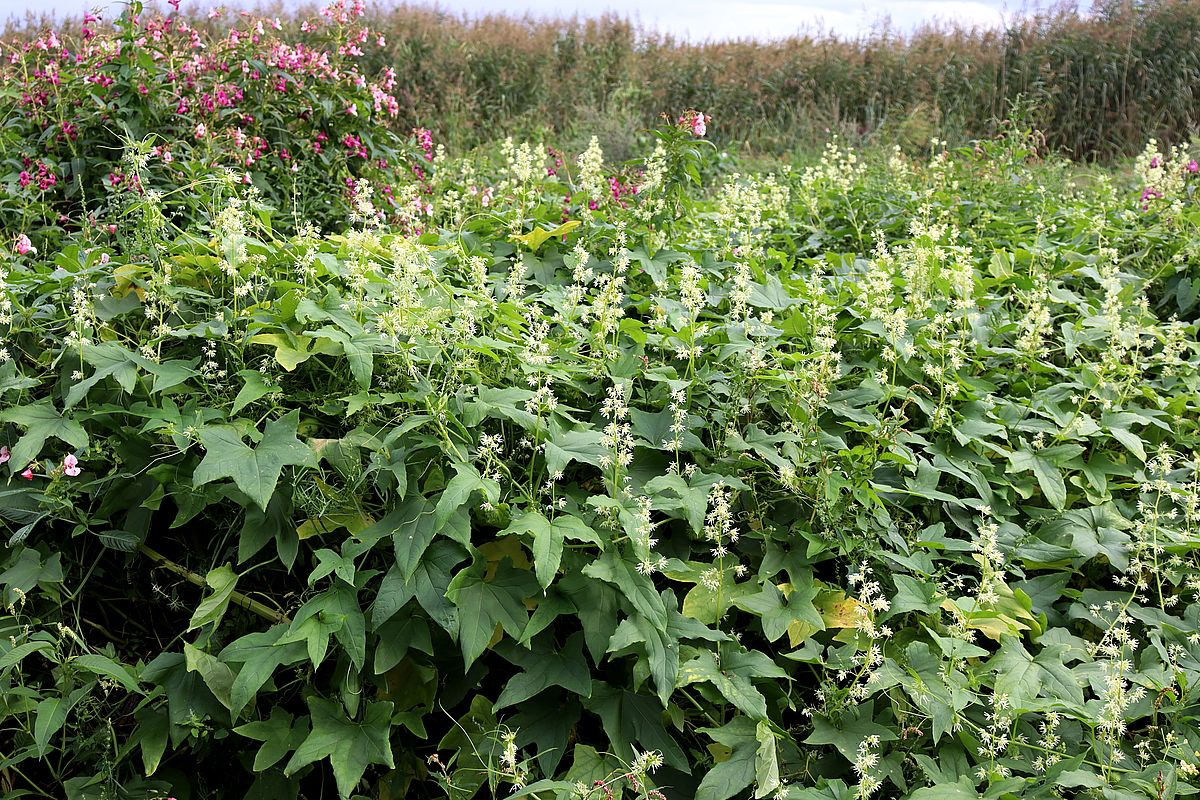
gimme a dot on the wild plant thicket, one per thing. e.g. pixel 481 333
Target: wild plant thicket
pixel 337 464
pixel 1097 83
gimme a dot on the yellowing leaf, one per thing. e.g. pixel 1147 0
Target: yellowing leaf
pixel 990 624
pixel 294 351
pixel 719 752
pixel 507 547
pixel 538 236
pixel 799 631
pixel 222 581
pixel 124 275
pixel 840 611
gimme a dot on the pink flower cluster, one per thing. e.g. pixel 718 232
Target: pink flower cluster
pixel 70 464
pixel 485 195
pixel 558 162
pixel 163 152
pixel 255 146
pixel 354 146
pixel 425 141
pixel 383 101
pixel 125 181
pixel 620 189
pixel 221 96
pixel 694 121
pixel 339 12
pixel 43 176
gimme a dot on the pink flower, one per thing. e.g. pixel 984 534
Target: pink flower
pixel 24 245
pixel 694 121
pixel 4 455
pixel 27 474
pixel 425 140
pixel 71 465
pixel 1192 167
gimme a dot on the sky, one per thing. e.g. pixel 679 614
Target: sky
pixel 697 20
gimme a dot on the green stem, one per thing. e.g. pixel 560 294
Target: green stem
pixel 237 598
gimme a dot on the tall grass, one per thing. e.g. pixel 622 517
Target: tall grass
pixel 1097 84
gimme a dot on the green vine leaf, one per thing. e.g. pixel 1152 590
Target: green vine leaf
pixel 222 580
pixel 485 603
pixel 736 757
pixel 350 746
pixel 255 470
pixel 41 422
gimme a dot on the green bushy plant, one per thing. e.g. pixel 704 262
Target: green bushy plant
pixel 103 117
pixel 872 476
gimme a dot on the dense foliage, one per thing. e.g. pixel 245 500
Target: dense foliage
pixel 871 477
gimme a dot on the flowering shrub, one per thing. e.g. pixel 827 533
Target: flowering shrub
pixel 101 118
pixel 536 477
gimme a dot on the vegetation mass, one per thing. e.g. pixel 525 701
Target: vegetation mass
pixel 337 462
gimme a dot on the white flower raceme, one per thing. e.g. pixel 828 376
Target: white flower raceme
pixel 591 173
pixel 617 437
pixel 650 194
